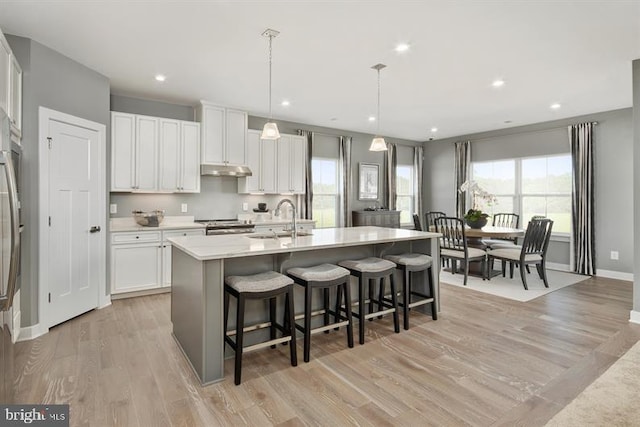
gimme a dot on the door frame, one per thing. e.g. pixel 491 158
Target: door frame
pixel 44 116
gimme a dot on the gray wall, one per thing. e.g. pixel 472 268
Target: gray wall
pixel 53 81
pixel 636 178
pixel 219 196
pixel 614 175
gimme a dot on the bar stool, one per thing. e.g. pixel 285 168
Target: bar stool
pixel 268 285
pixel 376 269
pixel 409 263
pixel 324 277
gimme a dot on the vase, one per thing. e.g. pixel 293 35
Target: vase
pixel 479 223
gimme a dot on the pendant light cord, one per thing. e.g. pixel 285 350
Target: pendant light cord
pixel 270 53
pixel 378 131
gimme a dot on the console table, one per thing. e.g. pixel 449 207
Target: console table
pixel 380 218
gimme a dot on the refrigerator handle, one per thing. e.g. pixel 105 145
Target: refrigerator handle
pixel 7 299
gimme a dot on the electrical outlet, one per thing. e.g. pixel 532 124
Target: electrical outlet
pixel 615 255
pixel 113 208
pixel 184 208
pixel 245 206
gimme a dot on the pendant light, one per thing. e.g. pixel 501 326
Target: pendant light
pixel 270 130
pixel 378 144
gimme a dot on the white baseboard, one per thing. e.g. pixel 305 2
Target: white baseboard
pixel 634 316
pixel 105 302
pixel 610 274
pixel 30 332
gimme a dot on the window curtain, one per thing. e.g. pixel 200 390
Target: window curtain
pixel 391 156
pixel 344 163
pixel 582 199
pixel 462 170
pixel 306 211
pixel 418 155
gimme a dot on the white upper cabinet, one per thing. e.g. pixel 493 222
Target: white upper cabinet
pixel 5 72
pixel 152 154
pixel 15 96
pixel 224 135
pixel 291 164
pixel 261 159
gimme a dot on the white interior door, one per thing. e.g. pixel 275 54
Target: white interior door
pixel 75 261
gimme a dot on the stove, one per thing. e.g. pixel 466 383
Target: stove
pixel 226 226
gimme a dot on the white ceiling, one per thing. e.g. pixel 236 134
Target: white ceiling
pixel 577 53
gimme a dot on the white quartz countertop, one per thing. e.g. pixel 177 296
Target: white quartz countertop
pixel 281 222
pixel 205 248
pixel 169 223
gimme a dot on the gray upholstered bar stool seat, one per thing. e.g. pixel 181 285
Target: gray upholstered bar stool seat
pixel 370 271
pixel 324 277
pixel 268 285
pixel 409 263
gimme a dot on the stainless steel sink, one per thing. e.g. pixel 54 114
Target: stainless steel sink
pixel 278 235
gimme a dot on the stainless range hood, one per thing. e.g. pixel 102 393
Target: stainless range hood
pixel 225 170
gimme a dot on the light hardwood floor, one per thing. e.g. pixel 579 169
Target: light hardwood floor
pixel 486 361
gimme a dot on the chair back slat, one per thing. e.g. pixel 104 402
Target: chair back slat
pixel 416 222
pixel 536 239
pixel 453 235
pixel 506 220
pixel 430 218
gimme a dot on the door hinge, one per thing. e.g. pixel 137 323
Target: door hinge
pixel 49 141
pixel 49 297
pixel 49 221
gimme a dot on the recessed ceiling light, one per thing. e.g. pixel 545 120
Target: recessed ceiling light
pixel 507 121
pixel 498 83
pixel 555 106
pixel 434 129
pixel 372 118
pixel 285 103
pixel 333 119
pixel 161 77
pixel 402 47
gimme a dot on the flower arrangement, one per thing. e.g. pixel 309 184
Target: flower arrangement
pixel 475 214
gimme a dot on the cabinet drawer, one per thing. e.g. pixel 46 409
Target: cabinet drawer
pixel 181 233
pixel 269 228
pixel 135 237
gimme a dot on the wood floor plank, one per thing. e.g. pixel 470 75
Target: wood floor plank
pixel 486 361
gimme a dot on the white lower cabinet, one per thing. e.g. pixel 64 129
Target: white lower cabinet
pixel 279 227
pixel 142 260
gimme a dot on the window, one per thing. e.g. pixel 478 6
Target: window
pixel 528 187
pixel 325 191
pixel 405 194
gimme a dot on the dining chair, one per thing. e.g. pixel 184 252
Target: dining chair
pixel 430 218
pixel 504 220
pixel 453 245
pixel 416 222
pixel 533 251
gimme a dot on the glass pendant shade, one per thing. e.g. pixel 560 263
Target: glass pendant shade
pixel 378 144
pixel 270 131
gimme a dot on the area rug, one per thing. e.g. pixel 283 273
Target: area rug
pixel 611 400
pixel 512 288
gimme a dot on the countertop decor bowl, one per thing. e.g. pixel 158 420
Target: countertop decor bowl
pixel 148 219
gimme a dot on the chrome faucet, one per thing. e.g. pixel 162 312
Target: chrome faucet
pixel 294 231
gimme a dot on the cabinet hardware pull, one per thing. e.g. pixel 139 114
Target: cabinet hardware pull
pixel 94 229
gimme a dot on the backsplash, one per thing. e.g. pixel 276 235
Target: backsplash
pixel 218 198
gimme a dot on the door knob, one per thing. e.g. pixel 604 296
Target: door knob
pixel 94 229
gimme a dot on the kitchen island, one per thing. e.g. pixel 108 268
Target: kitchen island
pixel 199 265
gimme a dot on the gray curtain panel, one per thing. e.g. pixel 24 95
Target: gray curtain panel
pixel 344 214
pixel 418 155
pixel 391 156
pixel 306 210
pixel 582 198
pixel 462 170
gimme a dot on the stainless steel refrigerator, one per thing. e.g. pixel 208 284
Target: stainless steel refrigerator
pixel 9 257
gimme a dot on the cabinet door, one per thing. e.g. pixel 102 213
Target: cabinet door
pixel 146 153
pixel 236 135
pixel 190 167
pixel 123 127
pixel 169 168
pixel 298 164
pixel 252 184
pixel 5 67
pixel 135 267
pixel 213 135
pixel 15 98
pixel 268 165
pixel 283 170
